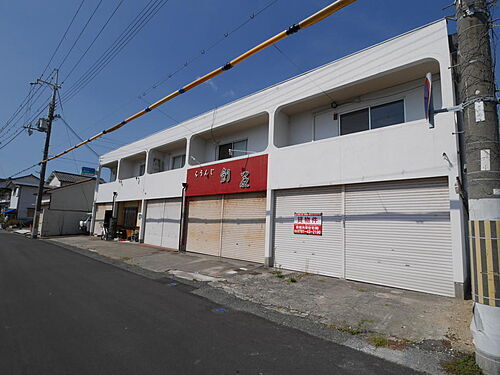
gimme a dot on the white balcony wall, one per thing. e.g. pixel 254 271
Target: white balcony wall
pixel 303 126
pixel 131 166
pixel 160 159
pixel 204 147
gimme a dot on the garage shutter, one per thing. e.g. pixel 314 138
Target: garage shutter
pixel 308 253
pixel 398 234
pixel 204 225
pixel 162 223
pixel 243 226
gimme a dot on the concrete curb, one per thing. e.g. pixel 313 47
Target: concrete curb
pixel 411 357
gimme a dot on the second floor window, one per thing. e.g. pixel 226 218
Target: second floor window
pixel 233 149
pixel 372 117
pixel 178 161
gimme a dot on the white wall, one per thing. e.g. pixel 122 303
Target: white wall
pixel 26 199
pixel 256 141
pixel 60 222
pixel 166 157
pixel 77 197
pixel 409 150
pixel 301 127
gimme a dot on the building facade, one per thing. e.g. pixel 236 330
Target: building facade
pixel 19 198
pixel 64 206
pixel 335 172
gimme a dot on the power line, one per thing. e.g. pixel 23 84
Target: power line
pixel 62 38
pixel 32 92
pixel 5 144
pixel 146 14
pixel 188 62
pixel 80 34
pixel 93 41
pixel 31 101
pixel 76 135
pixel 205 50
pixel 310 21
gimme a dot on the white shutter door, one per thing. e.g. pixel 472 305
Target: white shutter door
pixel 309 253
pixel 243 226
pixel 398 234
pixel 162 223
pixel 171 222
pixel 204 225
pixel 154 215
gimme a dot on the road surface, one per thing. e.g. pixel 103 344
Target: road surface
pixel 65 313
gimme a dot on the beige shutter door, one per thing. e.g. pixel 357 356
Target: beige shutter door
pixel 398 234
pixel 243 226
pixel 309 253
pixel 204 225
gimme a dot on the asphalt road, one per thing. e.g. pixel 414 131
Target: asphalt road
pixel 64 313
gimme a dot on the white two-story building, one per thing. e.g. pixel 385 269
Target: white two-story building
pixel 335 172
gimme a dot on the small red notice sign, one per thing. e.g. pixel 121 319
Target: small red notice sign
pixel 308 223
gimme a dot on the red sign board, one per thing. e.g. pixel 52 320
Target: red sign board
pixel 308 223
pixel 228 177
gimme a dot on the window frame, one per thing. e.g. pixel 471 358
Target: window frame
pixel 172 165
pixel 232 146
pixel 142 167
pixel 369 107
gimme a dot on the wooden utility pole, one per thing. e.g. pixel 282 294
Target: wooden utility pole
pixel 52 107
pixel 482 163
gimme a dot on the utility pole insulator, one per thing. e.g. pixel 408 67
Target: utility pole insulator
pixel 482 182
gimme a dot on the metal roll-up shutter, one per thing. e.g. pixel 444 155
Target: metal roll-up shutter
pixel 309 253
pixel 243 226
pixel 204 225
pixel 398 234
pixel 171 222
pixel 154 223
pixel 162 222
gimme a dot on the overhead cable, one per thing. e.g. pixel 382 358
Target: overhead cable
pixel 94 40
pixel 146 14
pixel 311 20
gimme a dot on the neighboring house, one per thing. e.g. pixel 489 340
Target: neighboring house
pixel 63 207
pixel 334 172
pixel 58 178
pixel 4 196
pixel 19 197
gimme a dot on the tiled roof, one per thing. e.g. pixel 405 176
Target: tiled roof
pixel 67 177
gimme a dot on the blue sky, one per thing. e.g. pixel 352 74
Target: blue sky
pixel 30 31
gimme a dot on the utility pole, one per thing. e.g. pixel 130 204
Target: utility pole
pixel 482 162
pixel 52 107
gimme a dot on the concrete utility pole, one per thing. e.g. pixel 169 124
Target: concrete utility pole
pixel 52 107
pixel 477 95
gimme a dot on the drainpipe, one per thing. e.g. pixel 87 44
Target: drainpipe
pixel 112 223
pixel 94 203
pixel 182 222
